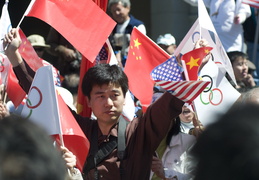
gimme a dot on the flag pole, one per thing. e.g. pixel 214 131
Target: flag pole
pixel 26 12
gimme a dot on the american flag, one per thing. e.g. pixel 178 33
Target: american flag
pixel 168 76
pixel 103 54
pixel 253 3
pixel 168 71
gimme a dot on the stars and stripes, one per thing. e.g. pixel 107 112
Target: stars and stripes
pixel 168 71
pixel 253 3
pixel 187 91
pixel 168 75
pixel 103 55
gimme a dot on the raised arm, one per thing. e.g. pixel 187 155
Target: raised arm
pixel 11 43
pixel 23 72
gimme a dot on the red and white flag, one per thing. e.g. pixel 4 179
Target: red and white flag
pixel 46 107
pixel 253 3
pixel 187 91
pixel 168 75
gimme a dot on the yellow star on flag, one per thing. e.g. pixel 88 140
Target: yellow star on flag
pixel 207 51
pixel 136 43
pixel 193 62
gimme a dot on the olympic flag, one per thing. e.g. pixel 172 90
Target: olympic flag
pixel 46 107
pixel 203 28
pixel 217 97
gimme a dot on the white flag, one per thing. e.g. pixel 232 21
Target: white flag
pixel 217 97
pixel 41 105
pixel 4 68
pixel 5 24
pixel 203 28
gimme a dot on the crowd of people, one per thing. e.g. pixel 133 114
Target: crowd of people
pixel 166 142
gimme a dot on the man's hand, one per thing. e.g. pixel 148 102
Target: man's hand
pixel 157 167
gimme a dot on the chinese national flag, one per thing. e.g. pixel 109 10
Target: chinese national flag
pixel 85 25
pixel 193 61
pixel 144 55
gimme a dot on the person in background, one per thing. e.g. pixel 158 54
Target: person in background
pixel 189 122
pixel 27 152
pixel 239 61
pixel 167 42
pixel 227 18
pixel 172 159
pixel 119 10
pixel 67 61
pixel 228 149
pixel 38 43
pixel 250 26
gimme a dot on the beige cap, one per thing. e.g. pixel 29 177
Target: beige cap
pixel 37 40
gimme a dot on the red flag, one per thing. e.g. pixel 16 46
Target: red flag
pixel 82 107
pixel 81 22
pixel 28 53
pixel 13 89
pixel 144 55
pixel 193 61
pixel 73 136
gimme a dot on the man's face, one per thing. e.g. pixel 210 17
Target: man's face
pixel 120 13
pixel 106 102
pixel 240 68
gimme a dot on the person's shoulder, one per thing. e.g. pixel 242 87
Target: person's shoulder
pixel 135 21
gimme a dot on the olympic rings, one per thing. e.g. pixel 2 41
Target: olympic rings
pixel 29 115
pixel 206 103
pixel 211 94
pixel 211 82
pixel 218 97
pixel 40 100
pixel 193 36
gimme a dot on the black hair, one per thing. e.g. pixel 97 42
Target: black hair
pixel 104 74
pixel 228 149
pixel 27 152
pixel 233 55
pixel 175 129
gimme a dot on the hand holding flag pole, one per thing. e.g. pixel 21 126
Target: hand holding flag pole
pixel 26 12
